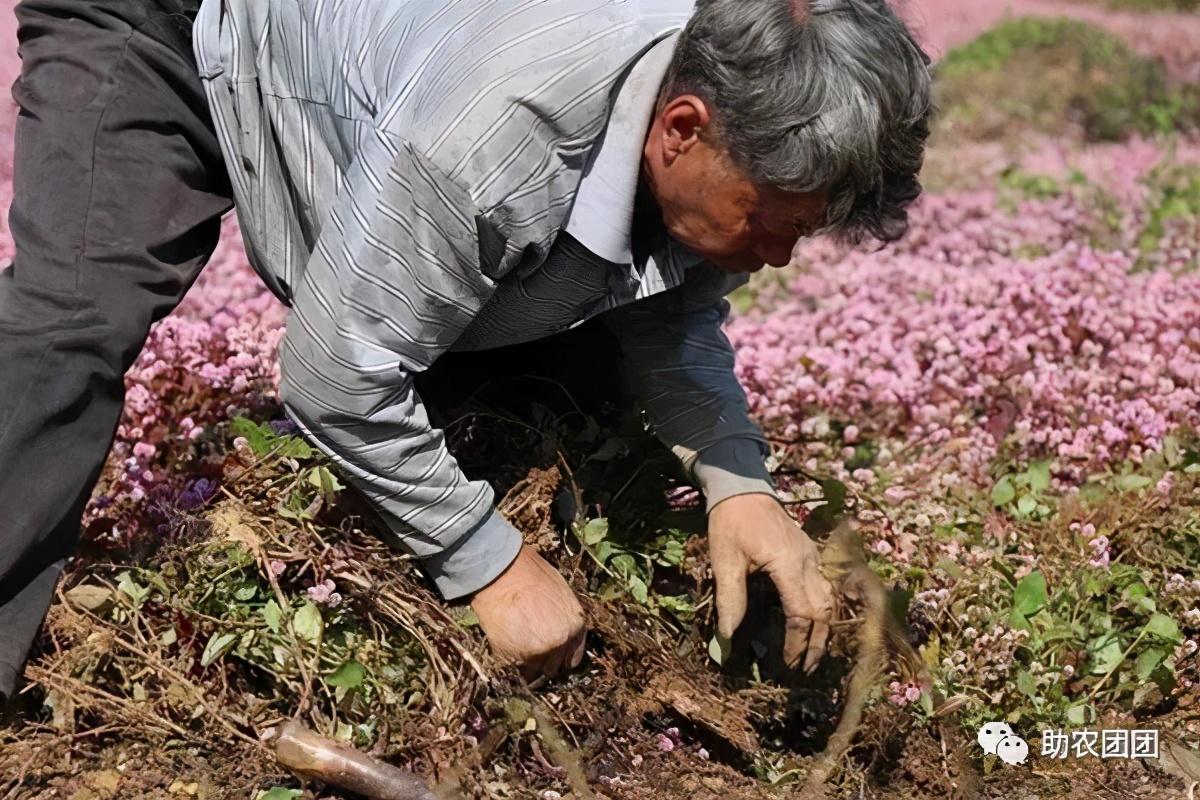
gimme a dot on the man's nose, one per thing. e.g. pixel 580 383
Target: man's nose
pixel 776 252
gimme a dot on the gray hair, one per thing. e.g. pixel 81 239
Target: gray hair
pixel 811 95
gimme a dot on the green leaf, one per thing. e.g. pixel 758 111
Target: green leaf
pixel 637 587
pixel 1077 715
pixel 679 605
pixel 136 593
pixel 1106 653
pixel 348 676
pixel 272 615
pixel 1171 451
pixel 217 646
pixel 279 793
pixel 1093 493
pixel 257 436
pixel 624 565
pixel 604 551
pixel 1149 661
pixel 1026 684
pixel 835 494
pixel 307 624
pixel 1017 621
pixel 1026 505
pixel 1132 483
pixel 1039 476
pixel 1003 492
pixel 1030 595
pixel 1163 627
pixel 264 441
pixel 289 446
pixel 246 591
pixel 669 551
pixel 324 480
pixel 719 648
pixel 595 531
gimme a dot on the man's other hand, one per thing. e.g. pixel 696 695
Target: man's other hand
pixel 752 533
pixel 532 618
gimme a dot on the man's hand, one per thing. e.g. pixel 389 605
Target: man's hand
pixel 531 617
pixel 751 533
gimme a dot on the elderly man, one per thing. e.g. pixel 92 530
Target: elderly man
pixel 419 177
pixel 422 177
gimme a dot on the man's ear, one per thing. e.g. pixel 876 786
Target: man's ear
pixel 682 121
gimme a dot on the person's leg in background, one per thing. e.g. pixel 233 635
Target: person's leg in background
pixel 119 189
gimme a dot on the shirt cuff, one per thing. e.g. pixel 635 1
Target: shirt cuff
pixel 732 467
pixel 476 559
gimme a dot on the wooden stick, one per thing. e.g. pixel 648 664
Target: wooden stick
pixel 313 756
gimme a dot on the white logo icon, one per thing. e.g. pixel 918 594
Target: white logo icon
pixel 998 739
pixel 1012 750
pixel 990 735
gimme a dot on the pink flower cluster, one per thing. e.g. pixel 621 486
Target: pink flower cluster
pixel 212 359
pixel 902 694
pixel 324 593
pixel 955 340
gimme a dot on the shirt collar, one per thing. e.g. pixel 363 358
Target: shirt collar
pixel 602 215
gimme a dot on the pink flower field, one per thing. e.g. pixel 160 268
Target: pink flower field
pixel 1007 402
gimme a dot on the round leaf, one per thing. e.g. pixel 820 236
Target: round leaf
pixel 307 624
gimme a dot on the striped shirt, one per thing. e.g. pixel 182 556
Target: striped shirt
pixel 403 171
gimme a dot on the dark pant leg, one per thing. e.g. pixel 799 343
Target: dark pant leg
pixel 119 189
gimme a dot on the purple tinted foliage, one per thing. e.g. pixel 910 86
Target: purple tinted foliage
pixel 284 427
pixel 197 493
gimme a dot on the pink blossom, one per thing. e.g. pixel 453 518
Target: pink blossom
pixel 1101 554
pixel 324 593
pixel 902 694
pixel 954 335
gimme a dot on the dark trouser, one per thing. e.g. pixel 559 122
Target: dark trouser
pixel 119 190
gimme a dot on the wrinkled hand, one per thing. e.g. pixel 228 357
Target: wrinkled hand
pixel 532 618
pixel 752 533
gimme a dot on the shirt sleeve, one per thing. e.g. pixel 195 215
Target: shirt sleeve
pixel 680 365
pixel 394 278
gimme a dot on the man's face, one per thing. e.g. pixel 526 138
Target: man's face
pixel 710 206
